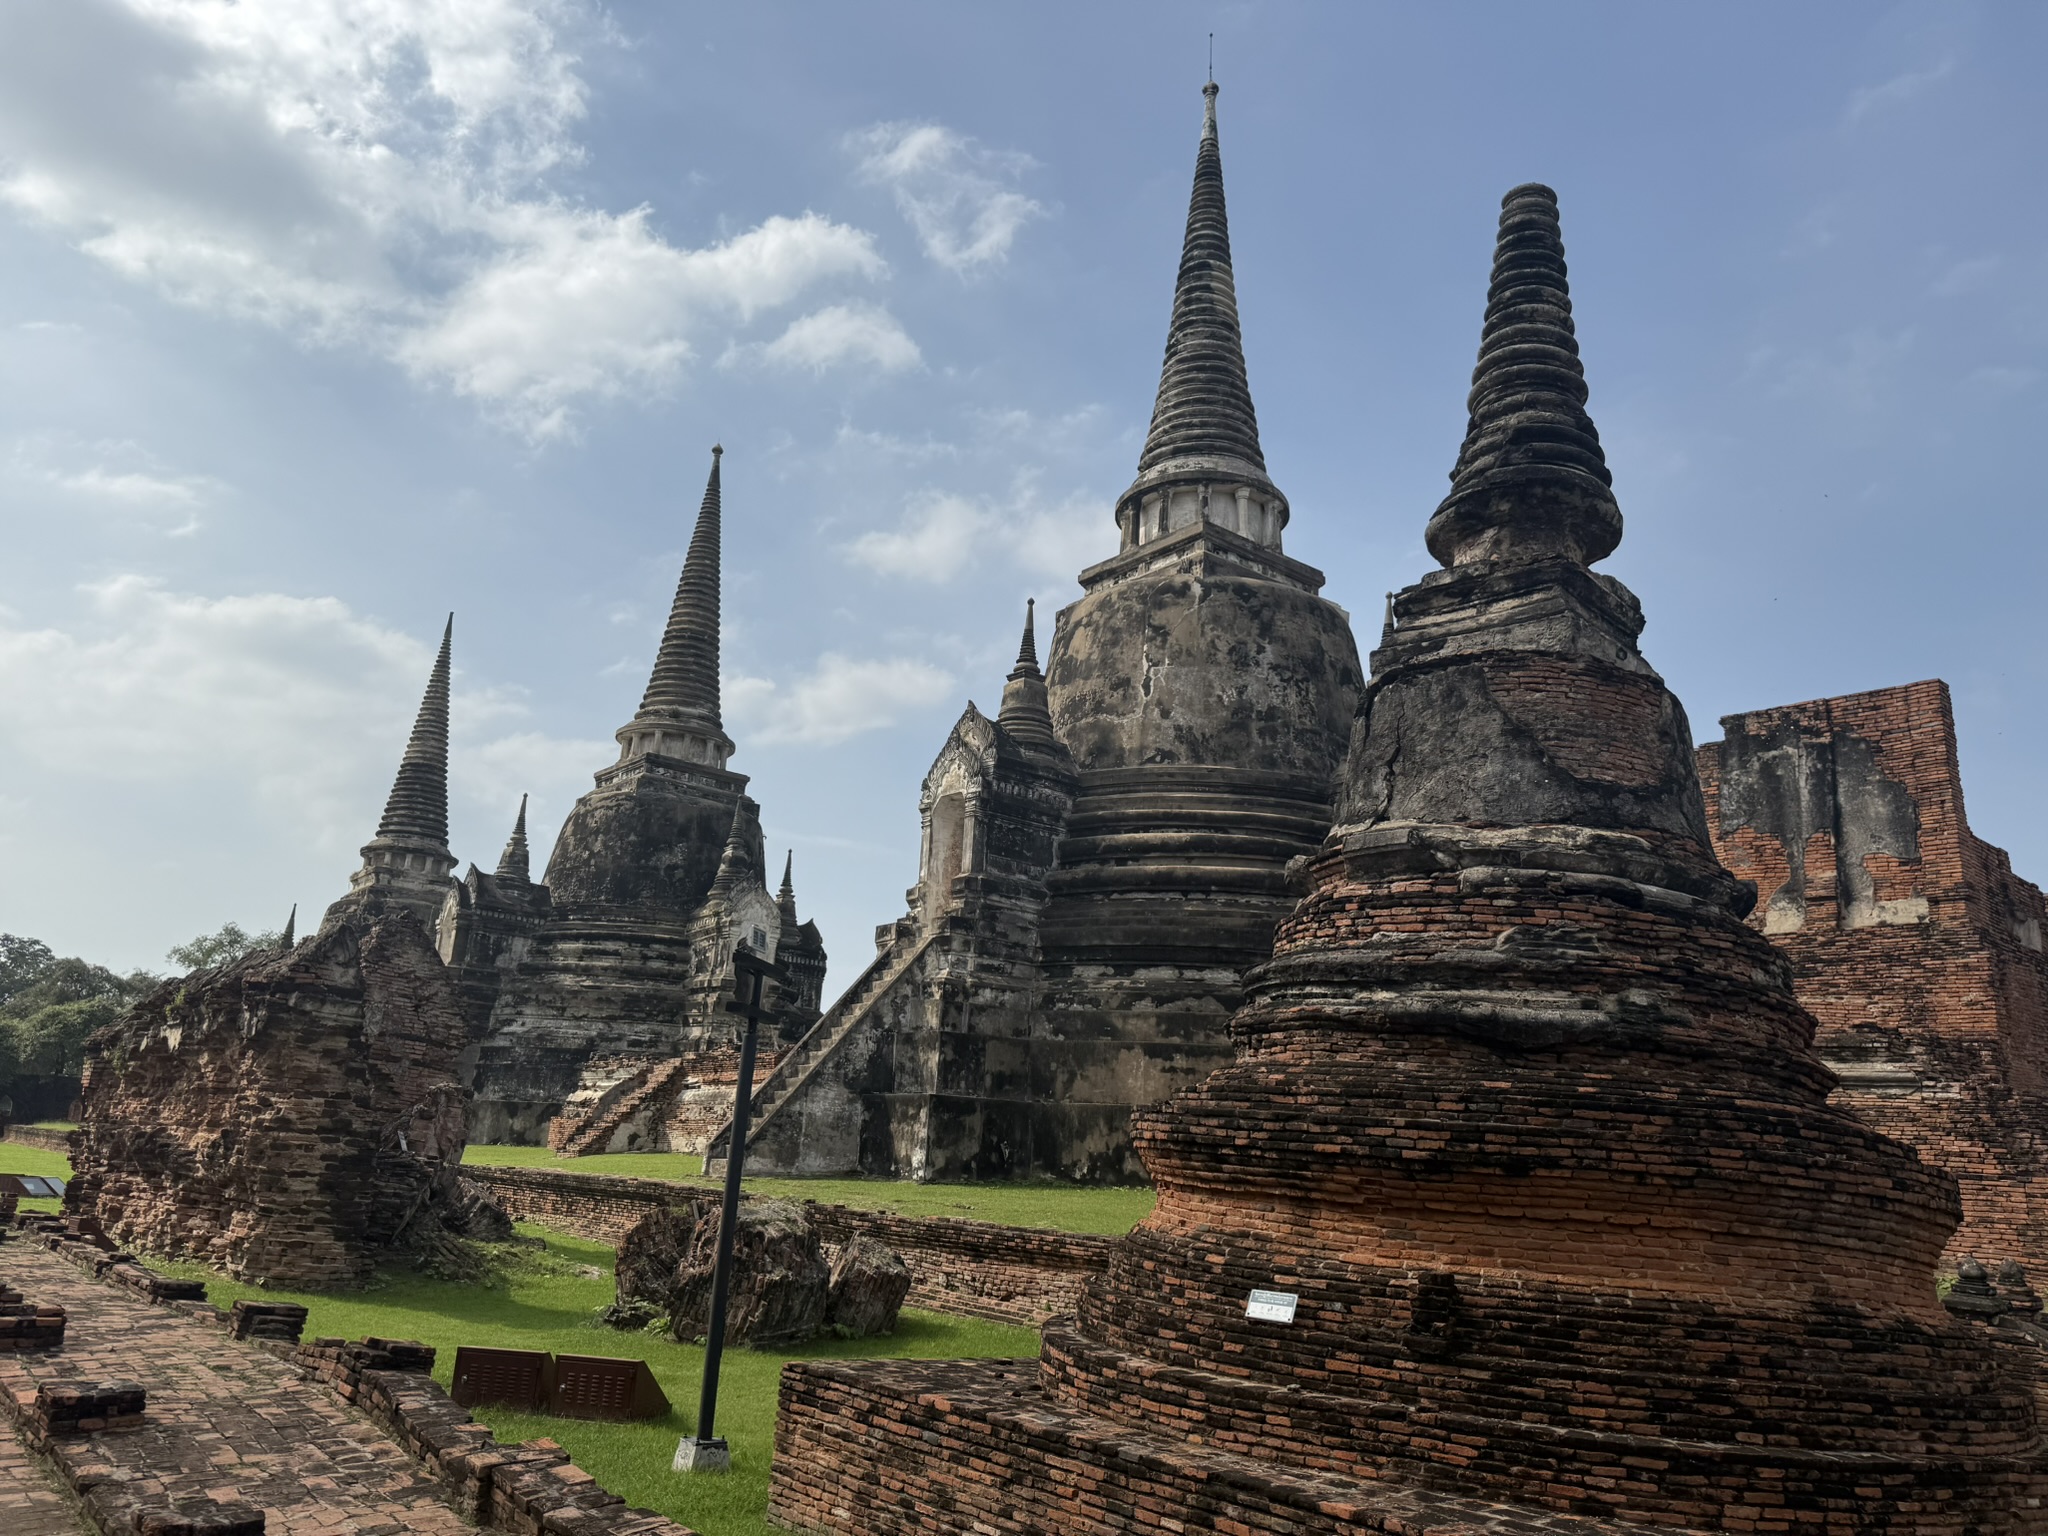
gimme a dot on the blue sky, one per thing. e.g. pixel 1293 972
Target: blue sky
pixel 320 319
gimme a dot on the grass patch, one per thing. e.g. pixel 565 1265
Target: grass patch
pixel 1060 1207
pixel 15 1158
pixel 548 1301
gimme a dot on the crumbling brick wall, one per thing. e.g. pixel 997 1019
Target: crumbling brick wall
pixel 286 1117
pixel 1914 944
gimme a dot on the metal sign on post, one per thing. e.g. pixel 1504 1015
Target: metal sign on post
pixel 705 1451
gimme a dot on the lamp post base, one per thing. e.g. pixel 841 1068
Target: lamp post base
pixel 694 1455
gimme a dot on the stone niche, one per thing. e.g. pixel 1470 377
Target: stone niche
pixel 289 1117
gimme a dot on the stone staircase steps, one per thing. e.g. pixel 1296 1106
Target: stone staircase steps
pixel 795 1069
pixel 595 1136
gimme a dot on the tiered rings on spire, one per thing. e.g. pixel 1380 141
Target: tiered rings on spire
pixel 1202 461
pixel 418 807
pixel 1531 481
pixel 679 714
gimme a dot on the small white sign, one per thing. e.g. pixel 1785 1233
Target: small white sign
pixel 1271 1306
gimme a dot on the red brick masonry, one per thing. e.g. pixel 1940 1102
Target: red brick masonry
pixel 1912 942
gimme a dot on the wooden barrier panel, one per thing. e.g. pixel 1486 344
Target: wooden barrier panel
pixel 517 1378
pixel 597 1387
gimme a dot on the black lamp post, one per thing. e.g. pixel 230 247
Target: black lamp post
pixel 705 1451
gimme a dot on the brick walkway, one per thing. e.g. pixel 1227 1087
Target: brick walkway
pixel 32 1503
pixel 226 1421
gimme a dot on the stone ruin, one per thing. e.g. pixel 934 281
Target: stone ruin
pixel 1523 1206
pixel 787 1287
pixel 624 948
pixel 1101 860
pixel 1913 944
pixel 291 1117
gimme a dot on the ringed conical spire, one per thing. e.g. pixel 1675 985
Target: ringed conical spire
pixel 515 863
pixel 679 713
pixel 1204 431
pixel 417 809
pixel 1026 713
pixel 1531 481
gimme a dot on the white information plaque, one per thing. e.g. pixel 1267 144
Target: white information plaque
pixel 1271 1306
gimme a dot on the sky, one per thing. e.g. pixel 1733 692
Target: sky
pixel 320 319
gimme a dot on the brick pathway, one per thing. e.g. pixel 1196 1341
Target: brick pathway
pixel 226 1420
pixel 32 1503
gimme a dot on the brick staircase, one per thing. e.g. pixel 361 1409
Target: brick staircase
pixel 596 1132
pixel 801 1062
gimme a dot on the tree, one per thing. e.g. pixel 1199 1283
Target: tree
pixel 22 961
pixel 48 1020
pixel 230 943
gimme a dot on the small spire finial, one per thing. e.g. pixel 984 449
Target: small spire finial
pixel 514 863
pixel 291 928
pixel 1027 648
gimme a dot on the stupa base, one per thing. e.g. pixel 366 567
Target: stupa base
pixel 881 1447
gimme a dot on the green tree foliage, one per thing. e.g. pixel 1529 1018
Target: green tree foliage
pixel 229 944
pixel 49 1006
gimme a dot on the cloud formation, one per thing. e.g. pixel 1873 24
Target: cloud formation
pixel 296 707
pixel 943 535
pixel 379 174
pixel 960 196
pixel 115 476
pixel 841 697
pixel 844 333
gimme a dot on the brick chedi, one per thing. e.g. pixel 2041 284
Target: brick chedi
pixel 1912 942
pixel 625 947
pixel 1198 697
pixel 289 1117
pixel 1525 1134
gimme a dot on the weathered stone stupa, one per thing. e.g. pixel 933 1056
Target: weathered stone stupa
pixel 1101 862
pixel 1525 1138
pixel 625 947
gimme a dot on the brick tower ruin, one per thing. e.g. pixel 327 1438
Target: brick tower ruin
pixel 1101 862
pixel 1912 942
pixel 1522 1207
pixel 293 1115
pixel 624 950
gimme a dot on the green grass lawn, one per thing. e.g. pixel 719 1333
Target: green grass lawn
pixel 15 1158
pixel 548 1302
pixel 1061 1207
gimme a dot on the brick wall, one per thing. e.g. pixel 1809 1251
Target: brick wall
pixel 41 1136
pixel 969 1268
pixel 1914 944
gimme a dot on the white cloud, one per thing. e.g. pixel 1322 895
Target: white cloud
pixel 844 334
pixel 376 173
pixel 117 476
pixel 841 697
pixel 959 196
pixel 296 707
pixel 1965 276
pixel 1896 91
pixel 941 535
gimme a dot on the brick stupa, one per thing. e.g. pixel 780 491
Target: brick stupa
pixel 1523 1115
